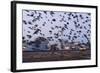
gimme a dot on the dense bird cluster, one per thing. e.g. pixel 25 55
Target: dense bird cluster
pixel 56 26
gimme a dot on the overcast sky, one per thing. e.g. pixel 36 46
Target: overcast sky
pixel 45 20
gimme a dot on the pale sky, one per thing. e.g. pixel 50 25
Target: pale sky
pixel 57 19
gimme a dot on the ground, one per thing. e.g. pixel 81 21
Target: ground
pixel 55 55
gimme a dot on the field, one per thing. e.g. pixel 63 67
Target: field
pixel 56 55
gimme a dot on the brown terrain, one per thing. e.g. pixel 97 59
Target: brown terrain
pixel 29 56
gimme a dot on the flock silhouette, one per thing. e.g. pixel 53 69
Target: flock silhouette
pixel 58 27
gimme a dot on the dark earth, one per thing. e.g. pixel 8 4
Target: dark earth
pixel 29 56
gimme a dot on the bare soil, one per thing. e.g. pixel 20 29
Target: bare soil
pixel 56 55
